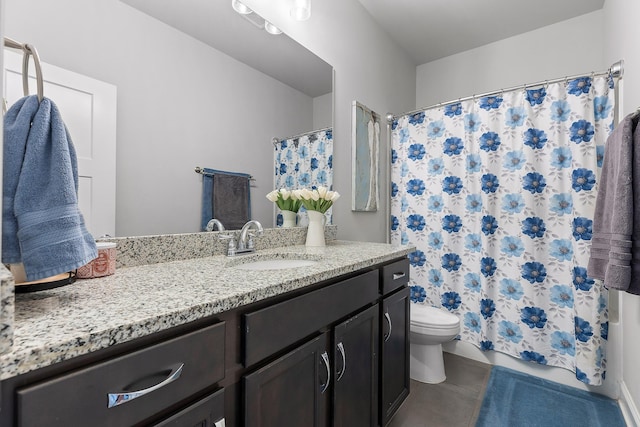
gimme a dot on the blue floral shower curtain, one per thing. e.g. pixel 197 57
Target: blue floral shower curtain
pixel 498 195
pixel 305 161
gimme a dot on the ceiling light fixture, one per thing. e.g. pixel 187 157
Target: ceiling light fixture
pixel 271 29
pixel 240 7
pixel 254 18
pixel 301 10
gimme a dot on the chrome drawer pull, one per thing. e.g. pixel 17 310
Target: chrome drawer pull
pixel 344 361
pixel 220 423
pixel 325 359
pixel 397 276
pixel 386 316
pixel 116 399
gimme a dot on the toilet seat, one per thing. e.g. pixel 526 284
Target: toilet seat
pixel 426 316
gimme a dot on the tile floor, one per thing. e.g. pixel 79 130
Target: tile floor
pixel 453 403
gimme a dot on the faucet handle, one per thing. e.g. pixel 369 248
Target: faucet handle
pixel 231 246
pixel 250 242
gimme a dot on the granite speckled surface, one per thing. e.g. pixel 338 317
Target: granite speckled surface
pixel 141 250
pixel 6 309
pixel 92 314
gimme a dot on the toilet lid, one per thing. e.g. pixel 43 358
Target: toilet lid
pixel 428 315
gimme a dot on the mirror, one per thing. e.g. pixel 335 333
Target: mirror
pixel 197 85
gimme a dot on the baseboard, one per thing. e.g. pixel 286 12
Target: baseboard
pixel 628 407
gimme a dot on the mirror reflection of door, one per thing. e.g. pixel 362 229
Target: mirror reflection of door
pixel 88 108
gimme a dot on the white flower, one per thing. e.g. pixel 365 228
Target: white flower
pixel 306 194
pixel 286 200
pixel 332 196
pixel 285 193
pixel 296 194
pixel 273 196
pixel 322 192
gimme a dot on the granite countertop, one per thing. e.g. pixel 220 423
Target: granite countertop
pixel 92 314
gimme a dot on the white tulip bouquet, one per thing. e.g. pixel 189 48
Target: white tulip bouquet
pixel 286 200
pixel 320 199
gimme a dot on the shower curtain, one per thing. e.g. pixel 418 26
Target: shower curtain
pixel 305 161
pixel 498 195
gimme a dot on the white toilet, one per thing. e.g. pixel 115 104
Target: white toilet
pixel 430 327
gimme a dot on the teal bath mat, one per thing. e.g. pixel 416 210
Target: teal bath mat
pixel 515 399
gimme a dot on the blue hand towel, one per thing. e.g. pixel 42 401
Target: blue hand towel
pixel 42 226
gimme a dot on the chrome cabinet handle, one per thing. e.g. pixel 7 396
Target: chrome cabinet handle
pixel 116 399
pixel 325 359
pixel 397 276
pixel 344 361
pixel 220 423
pixel 386 316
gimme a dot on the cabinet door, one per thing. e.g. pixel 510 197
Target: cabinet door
pixel 355 356
pixel 292 391
pixel 395 323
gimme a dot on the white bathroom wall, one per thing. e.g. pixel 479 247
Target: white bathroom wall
pixel 179 106
pixel 369 68
pixel 622 41
pixel 563 49
pixel 323 111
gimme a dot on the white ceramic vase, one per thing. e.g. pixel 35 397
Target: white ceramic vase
pixel 315 230
pixel 288 219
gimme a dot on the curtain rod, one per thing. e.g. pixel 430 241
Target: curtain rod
pixel 275 140
pixel 616 71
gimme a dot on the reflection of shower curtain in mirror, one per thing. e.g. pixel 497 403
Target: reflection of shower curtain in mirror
pixel 305 161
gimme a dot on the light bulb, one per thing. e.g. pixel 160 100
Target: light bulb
pixel 271 29
pixel 241 8
pixel 301 10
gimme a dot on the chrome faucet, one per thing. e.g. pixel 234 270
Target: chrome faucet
pixel 245 242
pixel 213 223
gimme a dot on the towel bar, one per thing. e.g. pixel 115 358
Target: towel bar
pixel 201 171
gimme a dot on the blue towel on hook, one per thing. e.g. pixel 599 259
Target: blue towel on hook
pixel 42 226
pixel 226 196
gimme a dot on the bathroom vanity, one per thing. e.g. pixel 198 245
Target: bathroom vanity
pixel 213 341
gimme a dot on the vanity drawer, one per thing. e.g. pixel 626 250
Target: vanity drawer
pixel 208 412
pixel 395 275
pixel 164 374
pixel 275 327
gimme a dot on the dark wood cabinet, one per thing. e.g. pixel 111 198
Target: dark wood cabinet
pixel 332 354
pixel 291 391
pixel 207 412
pixel 355 361
pixel 130 389
pixel 298 388
pixel 331 380
pixel 394 382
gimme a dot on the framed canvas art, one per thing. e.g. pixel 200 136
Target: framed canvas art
pixel 365 154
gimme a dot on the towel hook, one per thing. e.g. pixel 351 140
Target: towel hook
pixel 30 50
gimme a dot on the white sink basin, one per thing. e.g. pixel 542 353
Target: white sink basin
pixel 275 264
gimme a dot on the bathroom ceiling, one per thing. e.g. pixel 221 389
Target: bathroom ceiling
pixel 215 23
pixel 432 29
pixel 426 29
